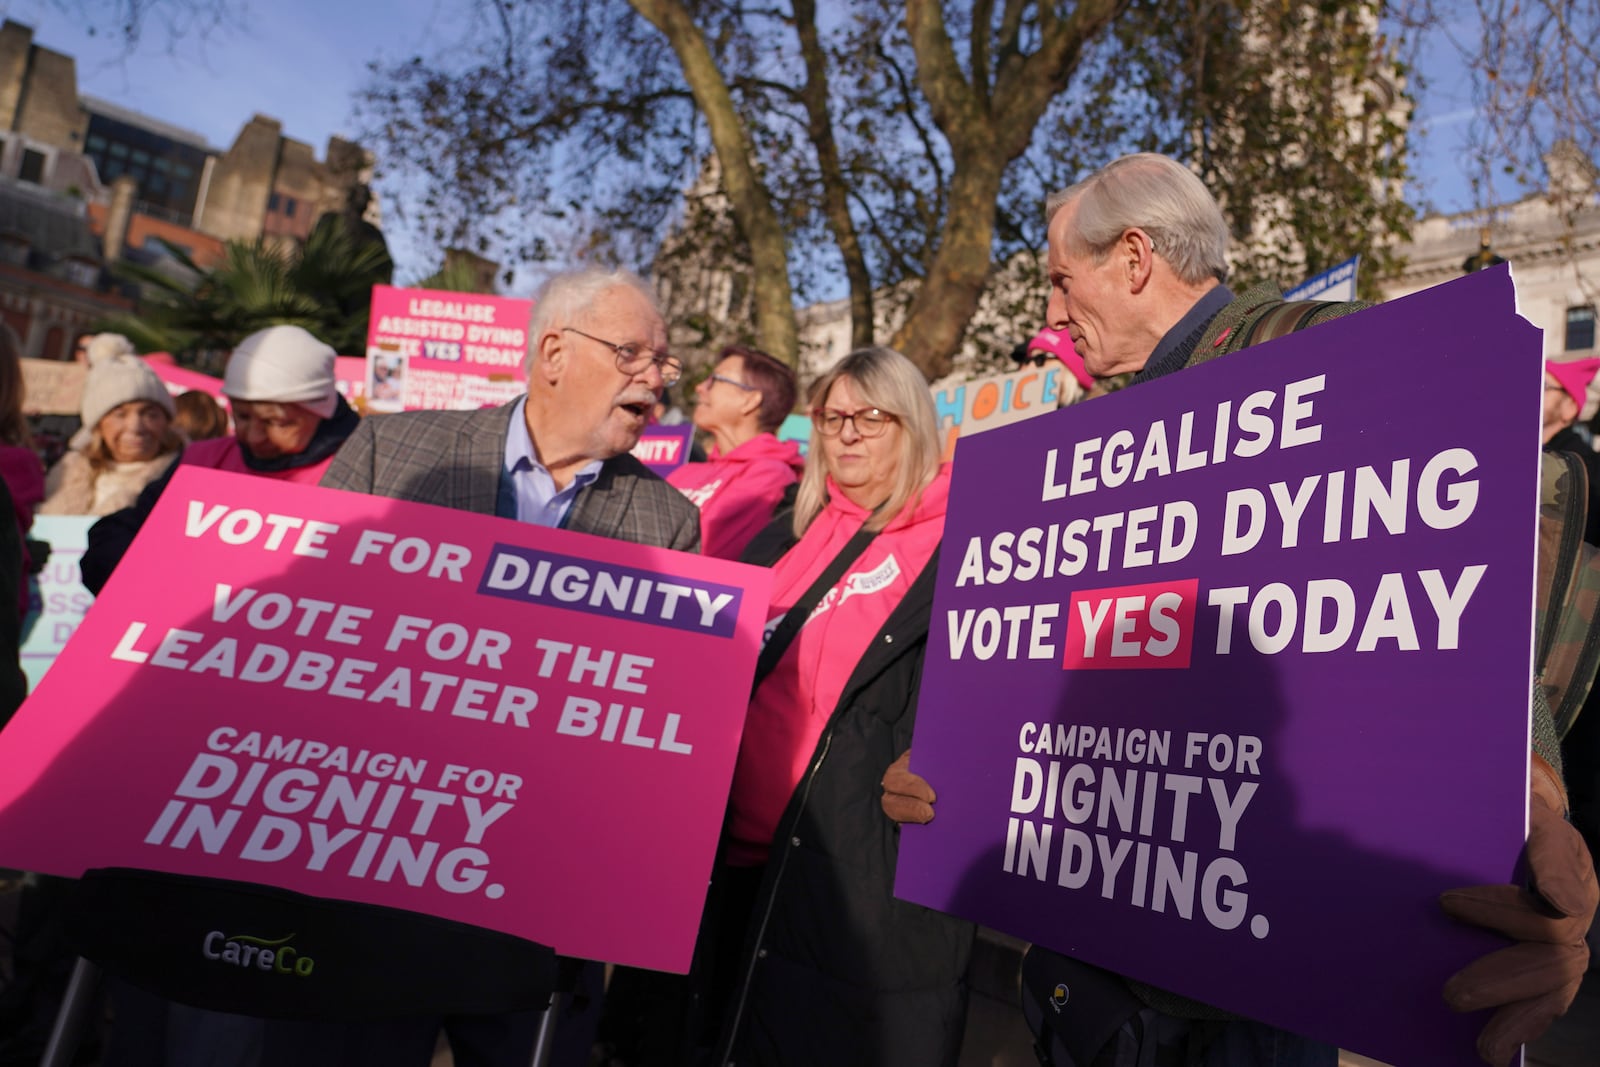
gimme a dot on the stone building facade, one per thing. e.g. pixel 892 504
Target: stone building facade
pixel 117 183
pixel 1552 240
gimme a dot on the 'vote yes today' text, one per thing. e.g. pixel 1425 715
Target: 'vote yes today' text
pixel 1153 625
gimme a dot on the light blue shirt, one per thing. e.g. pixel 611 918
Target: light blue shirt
pixel 527 491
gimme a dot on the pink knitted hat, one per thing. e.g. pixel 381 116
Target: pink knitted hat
pixel 1574 376
pixel 1058 344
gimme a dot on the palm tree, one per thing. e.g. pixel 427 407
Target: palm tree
pixel 324 286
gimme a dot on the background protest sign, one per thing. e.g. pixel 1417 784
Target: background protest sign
pixel 180 380
pixel 429 349
pixel 1229 672
pixel 796 428
pixel 62 597
pixel 966 408
pixel 51 387
pixel 350 378
pixel 370 700
pixel 664 448
pixel 1338 282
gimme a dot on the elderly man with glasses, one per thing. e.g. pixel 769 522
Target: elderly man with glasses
pixel 559 456
pixel 597 362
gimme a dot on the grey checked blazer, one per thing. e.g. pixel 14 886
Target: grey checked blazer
pixel 454 459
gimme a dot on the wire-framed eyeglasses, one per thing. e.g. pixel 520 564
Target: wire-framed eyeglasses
pixel 632 358
pixel 729 381
pixel 869 422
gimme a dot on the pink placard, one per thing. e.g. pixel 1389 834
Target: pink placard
pixel 431 350
pixel 180 380
pixel 525 729
pixel 350 377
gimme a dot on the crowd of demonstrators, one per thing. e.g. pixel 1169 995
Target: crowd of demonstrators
pixel 805 954
pixel 127 440
pixel 289 420
pixel 748 472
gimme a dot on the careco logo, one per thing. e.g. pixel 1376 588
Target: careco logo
pixel 242 950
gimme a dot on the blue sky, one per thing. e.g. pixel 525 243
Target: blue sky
pixel 302 62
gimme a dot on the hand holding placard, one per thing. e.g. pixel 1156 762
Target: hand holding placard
pixel 907 797
pixel 1532 982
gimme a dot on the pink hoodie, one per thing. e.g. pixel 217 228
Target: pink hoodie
pixel 737 492
pixel 793 704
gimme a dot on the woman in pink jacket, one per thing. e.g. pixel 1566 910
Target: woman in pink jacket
pixel 832 967
pixel 745 398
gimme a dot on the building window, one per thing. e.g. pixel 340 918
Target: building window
pixel 80 273
pixel 272 202
pixel 1580 328
pixel 14 249
pixel 32 166
pixel 157 246
pixel 288 206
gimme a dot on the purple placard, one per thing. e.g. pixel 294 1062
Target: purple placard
pixel 664 448
pixel 1290 871
pixel 631 593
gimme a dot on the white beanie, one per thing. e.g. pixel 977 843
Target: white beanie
pixel 283 365
pixel 118 379
pixel 103 346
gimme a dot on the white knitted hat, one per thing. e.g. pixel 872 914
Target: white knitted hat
pixel 117 379
pixel 103 346
pixel 283 365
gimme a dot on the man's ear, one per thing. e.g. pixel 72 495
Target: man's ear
pixel 1137 253
pixel 549 356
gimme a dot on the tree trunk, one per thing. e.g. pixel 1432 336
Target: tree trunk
pixel 945 302
pixel 988 121
pixel 776 329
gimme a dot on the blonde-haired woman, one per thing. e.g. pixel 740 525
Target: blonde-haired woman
pixel 834 969
pixel 129 439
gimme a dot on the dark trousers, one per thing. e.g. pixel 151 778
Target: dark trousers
pixel 652 1019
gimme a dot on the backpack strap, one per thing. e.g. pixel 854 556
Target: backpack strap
pixel 1275 320
pixel 1261 314
pixel 779 640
